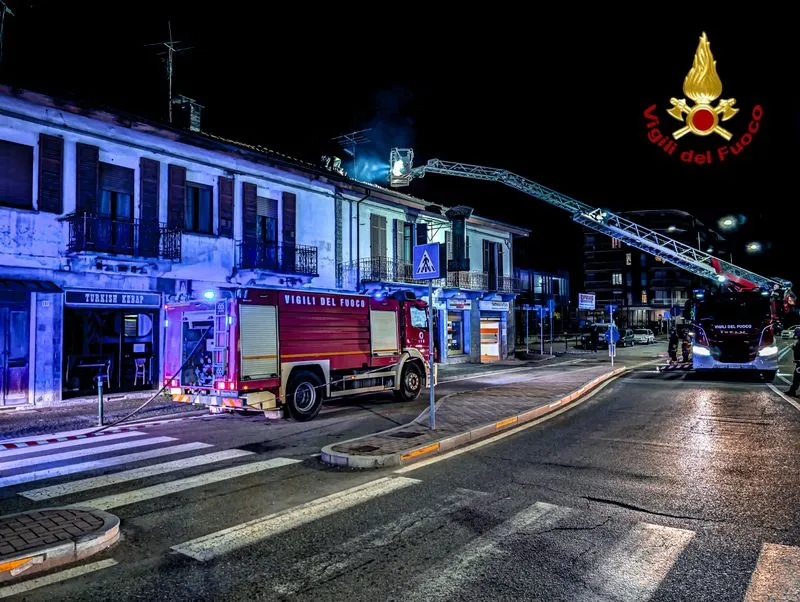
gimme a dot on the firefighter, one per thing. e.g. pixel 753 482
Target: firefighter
pixel 796 377
pixel 686 346
pixel 673 346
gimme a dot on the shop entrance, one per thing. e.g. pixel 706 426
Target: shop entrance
pixel 490 339
pixel 15 347
pixel 120 345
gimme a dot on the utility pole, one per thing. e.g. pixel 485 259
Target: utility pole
pixel 171 48
pixel 3 11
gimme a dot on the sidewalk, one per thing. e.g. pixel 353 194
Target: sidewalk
pixel 39 540
pixel 462 418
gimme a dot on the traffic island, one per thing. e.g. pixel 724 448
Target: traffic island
pixel 464 418
pixel 39 540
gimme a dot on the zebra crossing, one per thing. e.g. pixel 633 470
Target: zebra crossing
pixel 629 562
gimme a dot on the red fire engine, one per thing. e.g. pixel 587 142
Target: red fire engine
pixel 290 349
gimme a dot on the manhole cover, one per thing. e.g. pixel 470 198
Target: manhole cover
pixel 406 434
pixel 364 448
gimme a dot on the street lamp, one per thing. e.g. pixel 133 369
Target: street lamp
pixel 754 247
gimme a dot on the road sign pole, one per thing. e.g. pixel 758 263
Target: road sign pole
pixel 541 332
pixel 430 353
pixel 550 314
pixel 527 331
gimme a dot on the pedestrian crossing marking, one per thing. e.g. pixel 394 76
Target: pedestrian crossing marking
pixel 22 451
pixel 59 471
pixel 70 487
pixel 219 543
pixel 148 493
pixel 777 575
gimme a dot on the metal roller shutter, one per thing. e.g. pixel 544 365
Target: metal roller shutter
pixel 258 325
pixel 384 332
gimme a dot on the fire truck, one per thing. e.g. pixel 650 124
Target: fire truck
pixel 288 350
pixel 734 327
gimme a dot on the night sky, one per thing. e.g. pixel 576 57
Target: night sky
pixel 537 94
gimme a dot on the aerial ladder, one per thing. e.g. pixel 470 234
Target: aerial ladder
pixel 700 263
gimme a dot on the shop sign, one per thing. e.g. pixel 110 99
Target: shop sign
pixel 459 304
pixel 494 305
pixel 84 298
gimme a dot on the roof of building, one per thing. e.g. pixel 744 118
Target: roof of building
pixel 221 144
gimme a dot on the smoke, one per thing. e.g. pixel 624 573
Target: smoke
pixel 391 125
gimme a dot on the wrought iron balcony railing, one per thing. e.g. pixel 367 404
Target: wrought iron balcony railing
pixel 281 258
pixel 101 234
pixel 383 269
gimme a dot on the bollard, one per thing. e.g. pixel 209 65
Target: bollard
pixel 99 400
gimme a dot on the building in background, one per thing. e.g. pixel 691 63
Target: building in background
pixel 540 288
pixel 105 218
pixel 646 289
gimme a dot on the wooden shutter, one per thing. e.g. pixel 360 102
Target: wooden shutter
pixel 226 207
pixel 176 198
pixel 289 218
pixel 51 176
pixel 422 234
pixel 88 159
pixel 249 212
pixel 116 178
pixel 377 236
pixel 500 253
pixel 149 186
pixel 399 241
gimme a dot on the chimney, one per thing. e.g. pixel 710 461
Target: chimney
pixel 458 217
pixel 189 112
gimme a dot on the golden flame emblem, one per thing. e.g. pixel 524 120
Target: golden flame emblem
pixel 703 86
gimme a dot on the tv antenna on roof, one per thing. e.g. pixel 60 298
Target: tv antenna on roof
pixel 3 11
pixel 171 48
pixel 348 142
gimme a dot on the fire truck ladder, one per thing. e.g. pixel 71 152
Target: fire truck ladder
pixel 692 260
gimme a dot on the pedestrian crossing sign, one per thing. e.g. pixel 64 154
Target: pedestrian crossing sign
pixel 426 262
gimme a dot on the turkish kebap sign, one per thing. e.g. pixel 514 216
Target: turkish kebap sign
pixel 699 116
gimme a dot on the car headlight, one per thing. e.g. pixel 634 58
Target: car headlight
pixel 767 351
pixel 698 350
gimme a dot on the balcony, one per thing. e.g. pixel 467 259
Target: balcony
pixel 507 284
pixel 100 234
pixel 278 258
pixel 385 270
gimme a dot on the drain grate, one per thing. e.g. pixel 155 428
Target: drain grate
pixel 406 434
pixel 364 448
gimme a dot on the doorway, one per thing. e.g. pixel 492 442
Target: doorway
pixel 490 339
pixel 15 359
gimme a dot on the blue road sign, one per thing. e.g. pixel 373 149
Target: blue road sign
pixel 611 307
pixel 612 335
pixel 667 315
pixel 426 262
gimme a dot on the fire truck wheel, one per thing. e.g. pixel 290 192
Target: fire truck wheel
pixel 410 382
pixel 304 395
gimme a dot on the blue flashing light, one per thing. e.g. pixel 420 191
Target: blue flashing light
pixel 209 294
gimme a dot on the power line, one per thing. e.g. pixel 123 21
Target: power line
pixel 171 48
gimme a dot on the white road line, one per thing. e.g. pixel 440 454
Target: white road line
pixel 154 491
pixel 62 489
pixel 22 451
pixel 444 582
pixel 785 397
pixel 777 575
pixel 60 471
pixel 42 436
pixel 784 352
pixel 79 453
pixel 26 586
pixel 215 544
pixel 380 541
pixel 635 567
pixel 495 438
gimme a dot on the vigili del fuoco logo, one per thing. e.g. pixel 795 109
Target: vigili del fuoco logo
pixel 703 86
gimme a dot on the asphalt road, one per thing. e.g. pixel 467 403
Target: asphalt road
pixel 661 486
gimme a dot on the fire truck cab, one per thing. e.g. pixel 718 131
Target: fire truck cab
pixel 289 350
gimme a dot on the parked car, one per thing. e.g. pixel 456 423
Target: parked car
pixel 788 333
pixel 643 336
pixel 626 337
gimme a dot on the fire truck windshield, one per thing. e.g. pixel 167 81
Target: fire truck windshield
pixel 736 309
pixel 419 317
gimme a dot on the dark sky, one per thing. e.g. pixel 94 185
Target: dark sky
pixel 538 94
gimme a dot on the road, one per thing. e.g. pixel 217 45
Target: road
pixel 661 486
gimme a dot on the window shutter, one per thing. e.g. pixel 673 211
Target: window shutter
pixel 249 212
pixel 88 158
pixel 116 178
pixel 500 254
pixel 466 252
pixel 422 234
pixel 374 237
pixel 289 217
pixel 51 166
pixel 176 200
pixel 149 186
pixel 226 207
pixel 399 239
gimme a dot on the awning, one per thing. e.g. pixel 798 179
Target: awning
pixel 32 286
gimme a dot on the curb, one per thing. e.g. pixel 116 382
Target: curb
pixel 343 459
pixel 53 555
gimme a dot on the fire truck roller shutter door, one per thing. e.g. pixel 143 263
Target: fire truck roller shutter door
pixel 259 341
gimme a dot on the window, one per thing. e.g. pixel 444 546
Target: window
pixel 642 259
pixel 644 279
pixel 629 279
pixel 377 237
pixel 616 243
pixel 16 175
pixel 644 296
pixel 628 259
pixel 419 317
pixel 199 209
pixel 616 278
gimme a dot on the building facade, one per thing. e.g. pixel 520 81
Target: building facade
pixel 543 289
pixel 105 218
pixel 646 289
